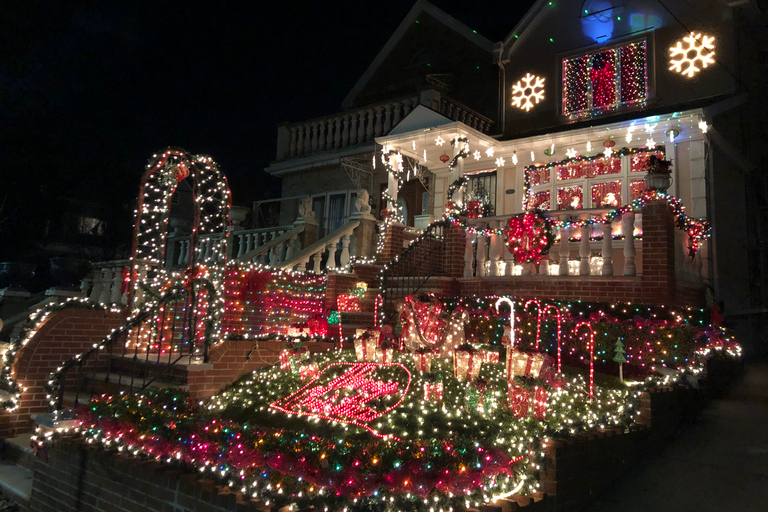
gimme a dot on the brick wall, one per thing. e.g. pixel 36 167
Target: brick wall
pixel 76 477
pixel 658 254
pixel 64 334
pixel 393 243
pixel 455 245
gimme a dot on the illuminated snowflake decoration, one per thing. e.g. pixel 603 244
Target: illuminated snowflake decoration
pixel 650 143
pixel 439 141
pixel 608 152
pixel 528 92
pixel 500 162
pixel 477 155
pixel 697 53
pixel 703 126
pixel 571 153
pixel 489 152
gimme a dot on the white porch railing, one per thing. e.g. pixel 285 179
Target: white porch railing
pixel 590 250
pixel 331 246
pixel 104 284
pixel 281 246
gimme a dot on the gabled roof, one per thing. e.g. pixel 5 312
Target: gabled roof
pixel 420 6
pixel 524 27
pixel 420 118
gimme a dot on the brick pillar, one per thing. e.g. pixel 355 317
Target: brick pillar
pixel 393 243
pixel 455 244
pixel 309 235
pixel 658 253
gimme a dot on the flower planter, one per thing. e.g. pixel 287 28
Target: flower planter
pixel 657 181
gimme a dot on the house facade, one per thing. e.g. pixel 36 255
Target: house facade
pixel 561 116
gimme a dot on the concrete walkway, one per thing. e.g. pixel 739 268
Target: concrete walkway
pixel 720 463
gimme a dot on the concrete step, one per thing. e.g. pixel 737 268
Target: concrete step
pixel 17 450
pixel 16 472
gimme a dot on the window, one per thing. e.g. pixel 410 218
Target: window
pixel 596 182
pixel 605 80
pixel 482 187
pixel 90 226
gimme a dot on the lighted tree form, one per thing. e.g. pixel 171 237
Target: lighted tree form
pixel 528 92
pixel 694 53
pixel 620 357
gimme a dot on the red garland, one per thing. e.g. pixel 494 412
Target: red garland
pixel 528 237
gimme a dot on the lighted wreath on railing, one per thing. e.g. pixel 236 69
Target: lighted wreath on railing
pixel 529 236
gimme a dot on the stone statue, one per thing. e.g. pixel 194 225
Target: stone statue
pixel 305 208
pixel 361 203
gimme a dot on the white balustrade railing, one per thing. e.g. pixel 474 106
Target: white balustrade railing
pixel 361 125
pixel 323 254
pixel 274 248
pixel 105 283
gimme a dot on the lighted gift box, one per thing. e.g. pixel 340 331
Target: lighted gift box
pixel 290 358
pixel 530 364
pixel 365 349
pixel 384 355
pixel 348 303
pixel 466 364
pixel 308 372
pixel 478 397
pixel 433 391
pixel 524 402
pixel 489 356
pixel 423 361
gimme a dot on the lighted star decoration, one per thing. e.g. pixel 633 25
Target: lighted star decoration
pixel 650 143
pixel 694 53
pixel 571 153
pixel 477 155
pixel 439 141
pixel 489 152
pixel 514 158
pixel 528 92
pixel 703 126
pixel 608 152
pixel 500 162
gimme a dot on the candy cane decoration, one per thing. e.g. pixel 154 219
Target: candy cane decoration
pixel 558 315
pixel 379 300
pixel 591 354
pixel 511 317
pixel 538 319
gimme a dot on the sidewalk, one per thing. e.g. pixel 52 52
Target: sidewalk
pixel 719 464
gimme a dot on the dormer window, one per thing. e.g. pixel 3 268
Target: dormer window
pixel 605 80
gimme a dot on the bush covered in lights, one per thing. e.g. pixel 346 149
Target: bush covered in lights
pixel 431 442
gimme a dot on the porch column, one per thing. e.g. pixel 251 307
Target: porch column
pixel 628 231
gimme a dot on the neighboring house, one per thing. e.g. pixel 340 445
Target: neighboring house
pixel 613 81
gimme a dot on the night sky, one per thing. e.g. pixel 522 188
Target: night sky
pixel 90 90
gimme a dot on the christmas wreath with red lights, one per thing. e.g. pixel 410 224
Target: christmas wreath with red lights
pixel 529 236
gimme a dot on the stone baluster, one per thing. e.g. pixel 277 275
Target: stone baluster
pixel 117 285
pixel 321 135
pixel 337 134
pixel 463 116
pixel 240 245
pixel 398 113
pixel 141 276
pixel 315 143
pixel 544 267
pixel 106 288
pixel 509 258
pixel 584 251
pixel 289 247
pixel 607 250
pixel 407 104
pixel 388 118
pixel 344 251
pixel 527 269
pixel 627 229
pixel 307 139
pixel 353 129
pixel 369 126
pixel 495 252
pixel 345 132
pixel 482 254
pixel 293 145
pixel 300 140
pixel 208 248
pixel 249 238
pixel 332 251
pixel 98 283
pixel 565 250
pixel 379 125
pixel 329 135
pixel 361 127
pixel 272 256
pixel 468 254
pixel 316 259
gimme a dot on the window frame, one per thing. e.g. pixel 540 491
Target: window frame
pixel 648 37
